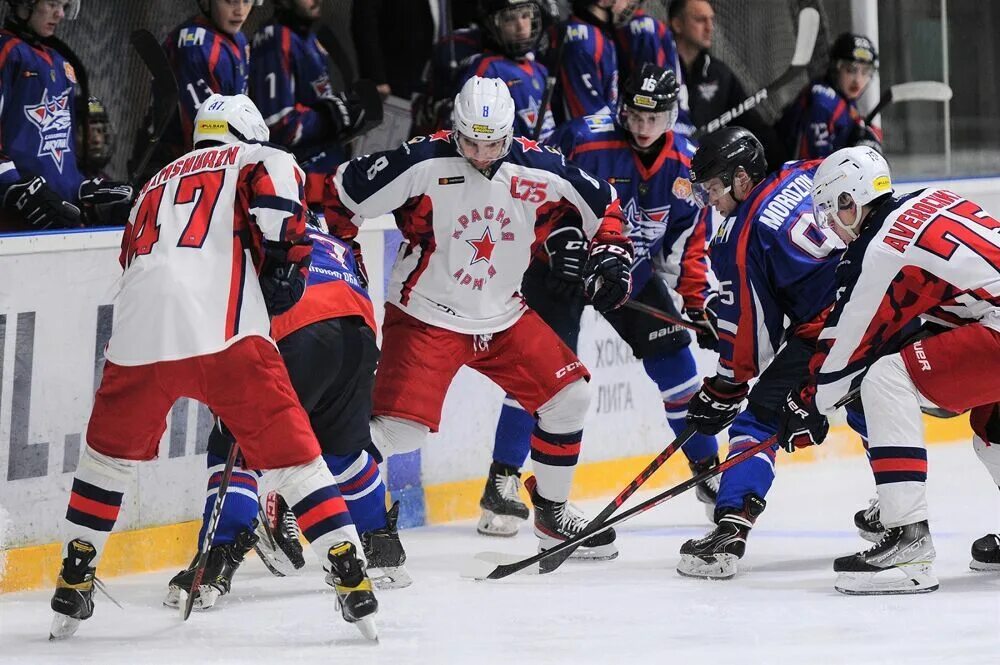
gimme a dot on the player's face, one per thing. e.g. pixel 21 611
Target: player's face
pixel 481 153
pixel 836 215
pixel 716 194
pixel 646 127
pixel 230 15
pixel 516 25
pixel 46 16
pixel 697 24
pixel 309 9
pixel 854 77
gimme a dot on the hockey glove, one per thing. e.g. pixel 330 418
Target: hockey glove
pixel 567 250
pixel 715 406
pixel 38 205
pixel 359 264
pixel 105 202
pixel 800 424
pixel 352 113
pixel 707 322
pixel 283 275
pixel 607 278
pixel 864 135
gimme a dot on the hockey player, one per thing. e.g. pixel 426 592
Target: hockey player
pixel 773 263
pixel 100 140
pixel 929 254
pixel 825 117
pixel 327 341
pixel 648 166
pixel 41 185
pixel 191 319
pixel 290 83
pixel 472 205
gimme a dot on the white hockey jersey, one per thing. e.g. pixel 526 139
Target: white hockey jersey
pixel 929 254
pixel 468 238
pixel 190 247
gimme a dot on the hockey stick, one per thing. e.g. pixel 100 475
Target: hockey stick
pixel 557 560
pixel 663 316
pixel 164 91
pixel 550 82
pixel 805 41
pixel 213 522
pixel 913 91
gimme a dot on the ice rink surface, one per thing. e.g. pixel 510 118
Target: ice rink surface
pixel 781 609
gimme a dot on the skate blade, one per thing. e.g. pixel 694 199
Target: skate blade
pixel 599 553
pixel 481 565
pixel 368 628
pixel 504 526
pixel 62 626
pixel 871 536
pixel 395 577
pixel 274 559
pixel 206 599
pixel 984 567
pixel 898 580
pixel 722 568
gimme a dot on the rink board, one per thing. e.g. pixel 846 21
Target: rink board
pixel 55 317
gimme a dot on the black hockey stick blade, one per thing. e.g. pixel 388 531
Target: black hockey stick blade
pixel 911 91
pixel 805 42
pixel 164 91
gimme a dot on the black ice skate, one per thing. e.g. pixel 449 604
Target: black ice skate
pixel 986 553
pixel 503 510
pixel 73 600
pixel 386 555
pixel 707 491
pixel 278 544
pixel 899 563
pixel 868 522
pixel 355 597
pixel 558 521
pixel 223 560
pixel 714 557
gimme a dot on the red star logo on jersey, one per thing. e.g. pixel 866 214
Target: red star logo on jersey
pixel 484 247
pixel 527 145
pixel 441 135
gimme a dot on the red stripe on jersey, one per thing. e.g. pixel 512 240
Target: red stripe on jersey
pixel 484 63
pixel 286 51
pixel 839 110
pixel 598 47
pixel 236 278
pixel 96 508
pixel 597 145
pixel 810 330
pixel 575 107
pixel 213 60
pixel 692 283
pixel 899 464
pixel 415 219
pixel 13 41
pixel 335 505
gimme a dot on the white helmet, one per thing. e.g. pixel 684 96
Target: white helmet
pixel 484 111
pixel 229 119
pixel 859 175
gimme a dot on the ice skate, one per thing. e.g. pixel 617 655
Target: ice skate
pixel 386 555
pixel 355 597
pixel 986 553
pixel 559 521
pixel 901 562
pixel 715 556
pixel 73 600
pixel 503 510
pixel 868 522
pixel 278 546
pixel 223 560
pixel 707 491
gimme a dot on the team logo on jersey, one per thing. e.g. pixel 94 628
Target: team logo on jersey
pixel 645 226
pixel 476 229
pixel 681 188
pixel 54 121
pixel 441 135
pixel 597 124
pixel 189 37
pixel 322 87
pixel 527 145
pixel 70 72
pixel 483 247
pixel 708 90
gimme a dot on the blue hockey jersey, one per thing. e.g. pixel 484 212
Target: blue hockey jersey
pixel 588 72
pixel 526 81
pixel 820 122
pixel 432 108
pixel 772 261
pixel 288 76
pixel 668 234
pixel 37 125
pixel 205 61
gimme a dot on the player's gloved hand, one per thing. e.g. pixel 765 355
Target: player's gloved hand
pixel 715 406
pixel 106 202
pixel 352 112
pixel 39 205
pixel 864 135
pixel 359 262
pixel 607 278
pixel 283 275
pixel 567 250
pixel 800 424
pixel 707 321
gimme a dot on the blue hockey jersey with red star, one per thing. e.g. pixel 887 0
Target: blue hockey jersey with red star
pixel 666 230
pixel 288 76
pixel 526 81
pixel 772 261
pixel 588 72
pixel 37 124
pixel 205 61
pixel 820 122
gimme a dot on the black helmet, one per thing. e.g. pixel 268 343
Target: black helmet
pixel 652 88
pixel 725 150
pixel 854 48
pixel 492 14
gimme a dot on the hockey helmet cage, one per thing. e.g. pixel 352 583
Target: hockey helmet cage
pixel 494 13
pixel 228 119
pixel 484 111
pixel 854 48
pixel 856 175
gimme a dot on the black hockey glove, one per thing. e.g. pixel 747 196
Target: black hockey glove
pixel 37 204
pixel 567 250
pixel 715 406
pixel 707 321
pixel 105 202
pixel 352 113
pixel 359 264
pixel 607 278
pixel 283 275
pixel 865 136
pixel 800 424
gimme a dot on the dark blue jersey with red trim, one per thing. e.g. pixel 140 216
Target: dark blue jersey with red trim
pixel 664 225
pixel 37 100
pixel 772 261
pixel 205 61
pixel 432 110
pixel 819 122
pixel 526 81
pixel 588 72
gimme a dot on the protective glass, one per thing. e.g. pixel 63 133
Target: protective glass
pixel 825 212
pixel 713 190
